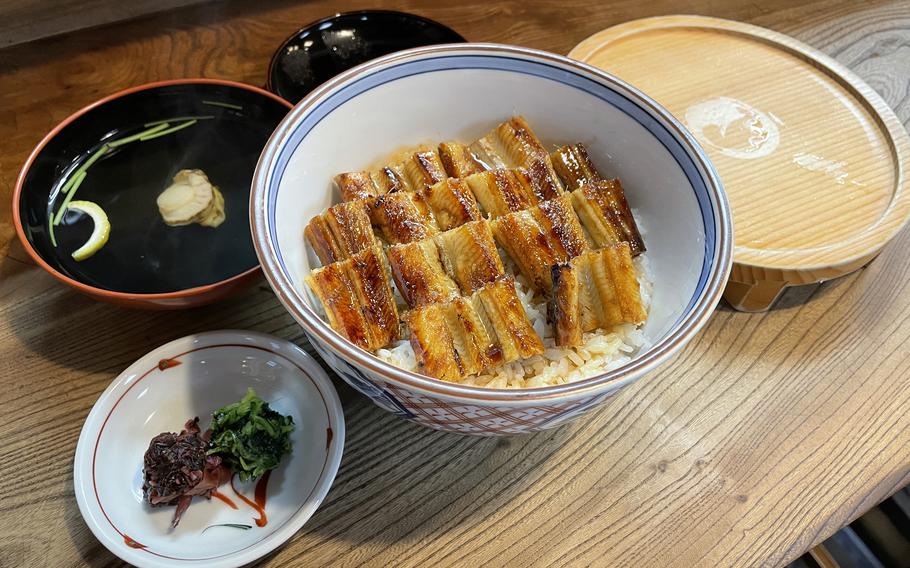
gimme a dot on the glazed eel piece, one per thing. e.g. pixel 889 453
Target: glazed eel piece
pixel 419 274
pixel 513 144
pixel 459 161
pixel 502 191
pixel 452 202
pixel 437 269
pixel 469 255
pixel 411 170
pixel 342 231
pixel 401 217
pixel 357 298
pixel 473 333
pixel 594 290
pixel 537 238
pixel 601 203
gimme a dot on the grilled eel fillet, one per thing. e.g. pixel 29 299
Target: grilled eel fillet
pixel 469 255
pixel 595 290
pixel 357 298
pixel 410 171
pixel 459 161
pixel 501 191
pixel 423 169
pixel 343 230
pixel 540 237
pixel 426 272
pixel 513 144
pixel 367 184
pixel 419 274
pixel 601 203
pixel 471 334
pixel 401 217
pixel 452 203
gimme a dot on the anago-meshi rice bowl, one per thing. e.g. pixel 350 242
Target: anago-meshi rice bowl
pixel 495 264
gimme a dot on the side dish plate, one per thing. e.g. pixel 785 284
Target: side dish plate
pixel 194 376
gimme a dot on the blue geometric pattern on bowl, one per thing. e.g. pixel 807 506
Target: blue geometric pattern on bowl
pixel 359 382
pixel 469 419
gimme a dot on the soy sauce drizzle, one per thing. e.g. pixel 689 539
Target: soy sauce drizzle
pixel 166 364
pixel 259 495
pixel 224 498
pixel 132 543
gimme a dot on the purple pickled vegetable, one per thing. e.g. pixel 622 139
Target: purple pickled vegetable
pixel 176 468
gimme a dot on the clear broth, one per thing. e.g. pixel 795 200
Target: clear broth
pixel 143 254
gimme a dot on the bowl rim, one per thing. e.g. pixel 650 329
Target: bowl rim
pixel 681 333
pixel 103 292
pixel 273 62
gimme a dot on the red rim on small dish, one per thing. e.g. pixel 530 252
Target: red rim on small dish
pixel 158 368
pixel 102 293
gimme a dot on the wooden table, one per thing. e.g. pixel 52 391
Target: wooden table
pixel 766 435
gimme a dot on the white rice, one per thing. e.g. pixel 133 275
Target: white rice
pixel 600 351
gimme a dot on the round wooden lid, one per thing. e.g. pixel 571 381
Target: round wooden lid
pixel 812 159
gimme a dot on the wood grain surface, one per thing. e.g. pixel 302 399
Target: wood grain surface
pixel 764 436
pixel 812 159
pixel 27 20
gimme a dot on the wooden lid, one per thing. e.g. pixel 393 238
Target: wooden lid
pixel 812 159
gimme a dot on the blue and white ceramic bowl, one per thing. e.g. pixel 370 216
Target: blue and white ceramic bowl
pixel 459 92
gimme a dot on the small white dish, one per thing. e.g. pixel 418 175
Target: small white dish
pixel 195 376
